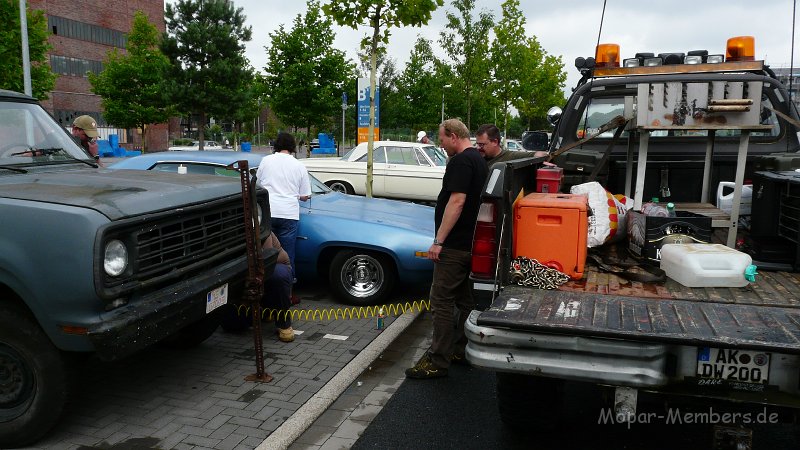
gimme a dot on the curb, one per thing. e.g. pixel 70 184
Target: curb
pixel 295 425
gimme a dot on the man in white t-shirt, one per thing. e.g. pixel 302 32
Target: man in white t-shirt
pixel 287 181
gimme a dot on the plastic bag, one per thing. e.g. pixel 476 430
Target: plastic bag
pixel 607 218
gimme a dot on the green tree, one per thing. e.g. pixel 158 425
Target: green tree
pixel 42 78
pixel 541 86
pixel 510 58
pixel 205 44
pixel 306 74
pixel 381 16
pixel 131 85
pixel 420 88
pixel 468 45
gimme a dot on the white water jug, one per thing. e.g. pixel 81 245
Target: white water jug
pixel 707 265
pixel 725 202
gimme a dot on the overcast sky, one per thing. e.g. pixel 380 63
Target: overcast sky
pixel 569 28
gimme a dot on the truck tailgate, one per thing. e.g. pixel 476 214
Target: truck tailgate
pixel 679 321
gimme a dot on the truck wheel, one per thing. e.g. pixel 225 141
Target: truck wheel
pixel 528 402
pixel 33 380
pixel 194 334
pixel 360 277
pixel 341 186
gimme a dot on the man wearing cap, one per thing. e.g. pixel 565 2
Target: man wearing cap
pixel 85 129
pixel 422 137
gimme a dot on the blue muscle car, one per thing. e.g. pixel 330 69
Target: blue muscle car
pixel 362 246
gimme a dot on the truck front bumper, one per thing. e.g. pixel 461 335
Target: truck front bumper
pixel 156 315
pixel 597 360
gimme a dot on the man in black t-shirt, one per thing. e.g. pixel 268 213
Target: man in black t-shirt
pixel 456 214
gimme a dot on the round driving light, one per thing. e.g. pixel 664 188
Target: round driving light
pixel 116 258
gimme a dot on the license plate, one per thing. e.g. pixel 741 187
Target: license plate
pixel 743 366
pixel 217 298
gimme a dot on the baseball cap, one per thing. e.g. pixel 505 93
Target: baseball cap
pixel 87 124
pixel 420 135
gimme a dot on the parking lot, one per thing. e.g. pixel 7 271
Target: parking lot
pixel 198 398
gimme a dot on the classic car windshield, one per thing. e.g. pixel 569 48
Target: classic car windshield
pixel 318 187
pixel 436 155
pixel 346 156
pixel 25 127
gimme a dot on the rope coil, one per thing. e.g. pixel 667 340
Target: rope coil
pixel 530 272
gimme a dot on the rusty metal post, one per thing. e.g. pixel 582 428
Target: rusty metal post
pixel 254 284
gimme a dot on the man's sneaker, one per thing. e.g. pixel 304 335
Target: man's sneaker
pixel 286 334
pixel 425 369
pixel 460 359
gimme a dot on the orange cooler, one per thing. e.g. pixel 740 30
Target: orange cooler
pixel 552 229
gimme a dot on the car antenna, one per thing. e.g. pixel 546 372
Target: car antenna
pixel 591 78
pixel 791 62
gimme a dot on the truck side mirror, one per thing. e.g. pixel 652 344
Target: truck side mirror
pixel 553 114
pixel 535 140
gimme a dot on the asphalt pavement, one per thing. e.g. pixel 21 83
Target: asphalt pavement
pixel 460 412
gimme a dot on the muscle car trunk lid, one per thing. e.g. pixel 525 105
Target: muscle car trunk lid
pixel 678 321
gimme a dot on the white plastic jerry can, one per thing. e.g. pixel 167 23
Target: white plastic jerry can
pixel 707 265
pixel 725 202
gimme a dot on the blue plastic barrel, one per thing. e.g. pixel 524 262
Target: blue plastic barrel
pixel 246 147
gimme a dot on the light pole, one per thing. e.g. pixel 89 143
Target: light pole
pixel 443 88
pixel 344 108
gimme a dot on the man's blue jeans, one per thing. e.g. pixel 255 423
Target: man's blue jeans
pixel 286 232
pixel 277 292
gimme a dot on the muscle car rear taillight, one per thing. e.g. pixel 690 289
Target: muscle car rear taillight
pixel 484 242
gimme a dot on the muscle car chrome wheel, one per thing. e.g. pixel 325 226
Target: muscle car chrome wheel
pixel 362 277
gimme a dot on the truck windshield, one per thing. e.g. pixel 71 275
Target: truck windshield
pixel 28 135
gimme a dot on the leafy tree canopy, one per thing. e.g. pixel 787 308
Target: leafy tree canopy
pixel 42 78
pixel 205 44
pixel 132 84
pixel 467 43
pixel 306 74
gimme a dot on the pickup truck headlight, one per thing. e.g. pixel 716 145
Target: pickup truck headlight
pixel 116 258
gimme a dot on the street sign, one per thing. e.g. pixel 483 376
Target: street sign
pixel 363 109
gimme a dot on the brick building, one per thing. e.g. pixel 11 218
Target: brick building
pixel 82 33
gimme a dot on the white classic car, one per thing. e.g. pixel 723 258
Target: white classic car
pixel 404 170
pixel 209 145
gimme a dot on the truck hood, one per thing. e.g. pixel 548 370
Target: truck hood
pixel 118 193
pixel 375 210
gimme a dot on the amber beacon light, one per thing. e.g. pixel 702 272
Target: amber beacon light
pixel 607 55
pixel 741 48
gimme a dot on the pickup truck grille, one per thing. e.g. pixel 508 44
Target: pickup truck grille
pixel 201 236
pixel 167 247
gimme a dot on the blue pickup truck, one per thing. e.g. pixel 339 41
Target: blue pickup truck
pixel 93 260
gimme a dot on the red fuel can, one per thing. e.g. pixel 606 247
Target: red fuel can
pixel 548 179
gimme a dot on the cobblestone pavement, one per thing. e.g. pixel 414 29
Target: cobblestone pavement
pixel 162 398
